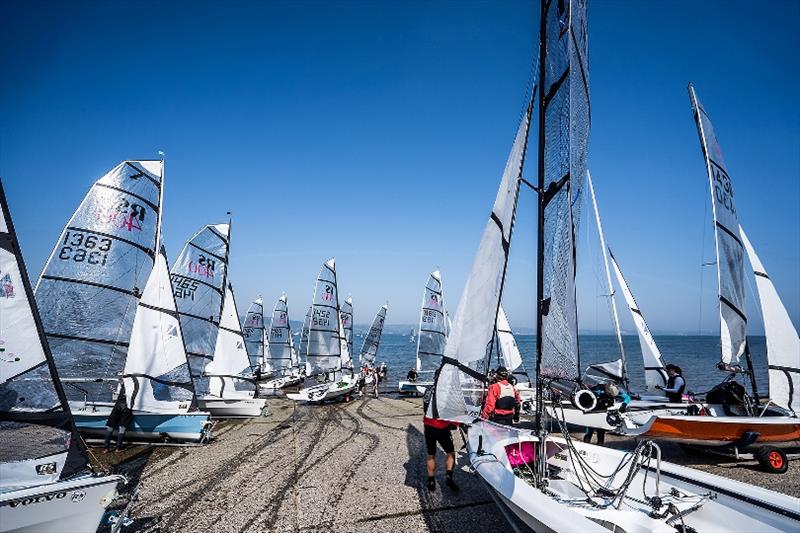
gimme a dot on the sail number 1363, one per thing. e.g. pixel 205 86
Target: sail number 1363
pixel 82 247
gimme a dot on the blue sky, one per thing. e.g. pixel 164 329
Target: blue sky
pixel 377 132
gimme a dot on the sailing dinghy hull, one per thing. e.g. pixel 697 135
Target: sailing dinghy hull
pixel 76 505
pixel 232 407
pixel 324 392
pixel 725 505
pixel 90 418
pixel 274 385
pixel 413 387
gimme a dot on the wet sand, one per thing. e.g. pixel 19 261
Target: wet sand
pixel 346 467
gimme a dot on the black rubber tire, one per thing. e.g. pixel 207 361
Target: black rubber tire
pixel 772 460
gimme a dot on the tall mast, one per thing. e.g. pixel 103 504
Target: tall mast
pixel 611 293
pixel 157 247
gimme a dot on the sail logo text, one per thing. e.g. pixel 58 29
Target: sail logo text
pixel 6 286
pixel 122 215
pixel 203 267
pixel 429 316
pixel 322 317
pixel 723 191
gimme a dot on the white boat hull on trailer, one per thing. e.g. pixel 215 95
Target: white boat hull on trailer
pixel 274 385
pixel 599 419
pixel 193 426
pixel 414 387
pixel 246 406
pixel 708 502
pixel 325 391
pixel 76 505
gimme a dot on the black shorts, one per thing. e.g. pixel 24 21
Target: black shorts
pixel 443 436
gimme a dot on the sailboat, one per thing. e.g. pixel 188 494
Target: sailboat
pixel 369 348
pixel 554 483
pixel 327 353
pixel 207 311
pixel 346 312
pixel 45 481
pixel 108 311
pixel 281 358
pixel 432 336
pixel 231 386
pixel 744 424
pixel 254 334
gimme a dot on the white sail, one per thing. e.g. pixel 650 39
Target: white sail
pixel 89 288
pixel 432 325
pixel 346 313
pixel 509 351
pixel 473 327
pixel 156 369
pixel 730 253
pixel 254 332
pixel 783 344
pixel 324 350
pixel 372 341
pixel 280 338
pixel 345 358
pixel 654 373
pixel 609 285
pixel 230 354
pixel 198 278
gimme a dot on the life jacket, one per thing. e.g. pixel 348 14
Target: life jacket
pixel 506 399
pixel 675 396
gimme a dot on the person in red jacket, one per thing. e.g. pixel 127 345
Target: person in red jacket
pixel 502 400
pixel 438 430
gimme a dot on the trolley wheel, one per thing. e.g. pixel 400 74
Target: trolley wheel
pixel 772 460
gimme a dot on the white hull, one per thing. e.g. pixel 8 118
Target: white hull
pixel 274 385
pixel 324 392
pixel 734 506
pixel 232 407
pixel 414 387
pixel 597 419
pixel 74 506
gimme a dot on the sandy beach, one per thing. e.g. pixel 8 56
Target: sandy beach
pixel 346 467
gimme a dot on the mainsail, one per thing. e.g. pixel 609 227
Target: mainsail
pixel 35 419
pixel 89 288
pixel 564 122
pixel 432 325
pixel 654 373
pixel 230 363
pixel 198 278
pixel 783 344
pixel 369 350
pixel 323 350
pixel 280 339
pixel 304 338
pixel 508 349
pixel 156 374
pixel 254 333
pixel 471 336
pixel 730 253
pixel 347 322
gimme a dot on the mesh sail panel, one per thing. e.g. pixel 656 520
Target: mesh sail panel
pixel 432 326
pixel 280 338
pixel 253 331
pixel 346 314
pixel 198 278
pixel 730 252
pixel 565 99
pixel 369 350
pixel 323 350
pixel 90 286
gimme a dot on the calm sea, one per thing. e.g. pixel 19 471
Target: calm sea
pixel 696 355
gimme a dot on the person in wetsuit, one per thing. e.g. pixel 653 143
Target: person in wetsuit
pixel 121 415
pixel 675 384
pixel 607 396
